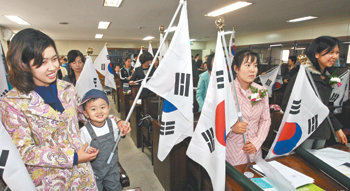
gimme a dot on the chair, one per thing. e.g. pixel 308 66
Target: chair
pixel 147 138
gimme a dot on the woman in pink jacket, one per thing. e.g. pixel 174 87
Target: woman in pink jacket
pixel 40 114
pixel 254 105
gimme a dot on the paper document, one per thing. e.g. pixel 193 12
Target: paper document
pixel 296 178
pixel 333 157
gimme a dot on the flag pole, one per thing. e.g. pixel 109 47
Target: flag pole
pixel 220 22
pixel 148 72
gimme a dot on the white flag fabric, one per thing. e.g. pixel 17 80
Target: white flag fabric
pixel 268 80
pixel 88 79
pixel 109 77
pixel 340 94
pixel 12 168
pixel 163 49
pixel 138 63
pixel 173 81
pixel 304 113
pixel 4 88
pixel 208 144
pixel 232 46
pixel 102 61
pixel 150 49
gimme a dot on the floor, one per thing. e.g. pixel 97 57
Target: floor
pixel 136 163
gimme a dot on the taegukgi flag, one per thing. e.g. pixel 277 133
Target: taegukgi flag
pixel 340 93
pixel 102 61
pixel 138 63
pixel 173 81
pixel 150 49
pixel 88 79
pixel 268 80
pixel 4 88
pixel 208 143
pixel 304 113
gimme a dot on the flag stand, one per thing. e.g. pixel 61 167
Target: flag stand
pixel 148 72
pixel 220 22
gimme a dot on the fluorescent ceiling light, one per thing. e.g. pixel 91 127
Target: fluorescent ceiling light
pixel 273 45
pixel 297 48
pixel 301 19
pixel 112 3
pixel 98 35
pixel 228 8
pixel 103 24
pixel 17 19
pixel 192 39
pixel 172 29
pixel 346 42
pixel 148 38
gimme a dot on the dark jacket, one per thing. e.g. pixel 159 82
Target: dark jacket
pixel 291 73
pixel 124 74
pixel 325 90
pixel 138 75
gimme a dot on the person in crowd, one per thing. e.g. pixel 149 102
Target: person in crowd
pixel 133 62
pixel 322 54
pixel 255 113
pixel 140 72
pixel 125 75
pixel 203 83
pixel 101 132
pixel 63 61
pixel 292 69
pixel 156 63
pixel 198 61
pixel 40 114
pixel 76 61
pixel 62 71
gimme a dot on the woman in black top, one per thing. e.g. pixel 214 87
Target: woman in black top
pixel 322 53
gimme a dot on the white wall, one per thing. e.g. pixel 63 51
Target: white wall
pixel 336 29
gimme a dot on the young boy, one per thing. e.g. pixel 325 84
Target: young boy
pixel 101 132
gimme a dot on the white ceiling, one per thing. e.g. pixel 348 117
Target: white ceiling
pixel 136 19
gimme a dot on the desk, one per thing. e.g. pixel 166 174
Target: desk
pixel 297 163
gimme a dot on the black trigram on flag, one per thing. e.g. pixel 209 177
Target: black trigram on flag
pixel 95 82
pixel 208 136
pixel 3 159
pixel 4 93
pixel 103 66
pixel 295 109
pixel 334 97
pixel 268 82
pixel 312 123
pixel 220 79
pixel 182 84
pixel 167 128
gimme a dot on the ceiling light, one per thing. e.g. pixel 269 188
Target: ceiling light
pixel 148 38
pixel 274 45
pixel 98 35
pixel 103 24
pixel 112 3
pixel 228 8
pixel 297 48
pixel 301 19
pixel 346 42
pixel 17 19
pixel 192 39
pixel 172 29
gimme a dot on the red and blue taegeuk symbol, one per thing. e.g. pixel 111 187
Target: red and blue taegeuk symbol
pixel 110 68
pixel 288 139
pixel 220 124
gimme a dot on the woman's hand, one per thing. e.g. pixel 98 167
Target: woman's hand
pixel 131 82
pixel 341 137
pixel 239 127
pixel 85 156
pixel 249 148
pixel 124 129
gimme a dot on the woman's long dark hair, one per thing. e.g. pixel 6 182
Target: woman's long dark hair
pixel 26 45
